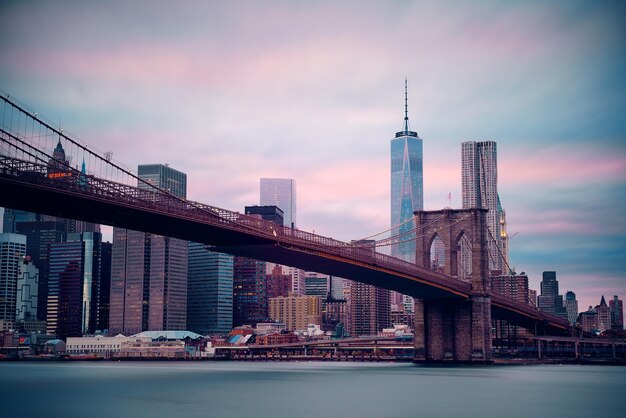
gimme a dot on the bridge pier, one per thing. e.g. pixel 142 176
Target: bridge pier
pixel 448 331
pixel 454 329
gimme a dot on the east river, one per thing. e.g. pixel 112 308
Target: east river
pixel 301 389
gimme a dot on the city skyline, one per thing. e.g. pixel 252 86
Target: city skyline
pixel 543 81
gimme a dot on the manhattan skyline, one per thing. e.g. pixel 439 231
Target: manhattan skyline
pixel 230 93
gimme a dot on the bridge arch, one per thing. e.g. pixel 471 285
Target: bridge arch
pixel 456 228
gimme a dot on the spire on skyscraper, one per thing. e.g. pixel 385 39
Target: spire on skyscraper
pixel 405 131
pixel 406 106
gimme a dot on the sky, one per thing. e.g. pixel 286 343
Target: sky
pixel 232 91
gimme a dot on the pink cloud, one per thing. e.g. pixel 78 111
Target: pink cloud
pixel 554 166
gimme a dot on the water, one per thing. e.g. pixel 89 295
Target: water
pixel 320 390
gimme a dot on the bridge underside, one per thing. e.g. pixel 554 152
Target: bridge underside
pixel 76 206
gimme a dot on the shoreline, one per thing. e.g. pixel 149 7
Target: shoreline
pixel 494 362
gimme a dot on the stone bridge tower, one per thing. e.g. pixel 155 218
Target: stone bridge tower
pixel 451 329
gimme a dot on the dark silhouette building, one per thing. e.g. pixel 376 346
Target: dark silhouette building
pixel 549 300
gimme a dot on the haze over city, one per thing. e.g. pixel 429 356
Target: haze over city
pixel 231 92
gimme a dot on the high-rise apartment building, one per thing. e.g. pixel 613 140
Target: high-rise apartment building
pixel 296 311
pixel 281 193
pixel 571 306
pixel 149 271
pixel 369 309
pixel 407 186
pixel 209 291
pixel 12 253
pixel 514 286
pixel 276 282
pixel 617 313
pixel 480 190
pixel 549 300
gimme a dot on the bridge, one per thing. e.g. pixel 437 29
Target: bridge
pixel 453 316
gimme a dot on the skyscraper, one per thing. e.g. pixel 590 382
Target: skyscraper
pixel 74 285
pixel 480 190
pixel 12 252
pixel 604 315
pixel 104 289
pixel 209 291
pixel 149 271
pixel 571 306
pixel 369 309
pixel 27 288
pixel 281 193
pixel 39 235
pixel 368 306
pixel 617 313
pixel 249 292
pixel 407 186
pixel 549 300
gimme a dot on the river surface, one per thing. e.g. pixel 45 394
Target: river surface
pixel 301 389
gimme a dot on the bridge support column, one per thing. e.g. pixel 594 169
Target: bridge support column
pixel 419 331
pixel 434 332
pixel 481 328
pixel 453 331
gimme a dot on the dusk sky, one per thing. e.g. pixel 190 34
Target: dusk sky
pixel 230 92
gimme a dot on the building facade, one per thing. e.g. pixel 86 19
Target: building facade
pixel 369 309
pixel 12 253
pixel 571 306
pixel 27 290
pixel 276 282
pixel 267 213
pixel 209 291
pixel 282 193
pixel 39 235
pixel 479 176
pixel 550 301
pixel 74 285
pixel 297 312
pixel 407 187
pixel 149 271
pixel 617 313
pixel 604 315
pixel 249 292
pixel 514 286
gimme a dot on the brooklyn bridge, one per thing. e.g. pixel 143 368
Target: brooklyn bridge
pixel 453 315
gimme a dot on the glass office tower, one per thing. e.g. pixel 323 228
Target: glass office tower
pixel 407 187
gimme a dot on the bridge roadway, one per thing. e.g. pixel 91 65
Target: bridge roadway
pixel 27 186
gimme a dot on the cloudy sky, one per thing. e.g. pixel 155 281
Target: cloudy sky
pixel 229 92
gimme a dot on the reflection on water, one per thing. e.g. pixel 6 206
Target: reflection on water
pixel 238 389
